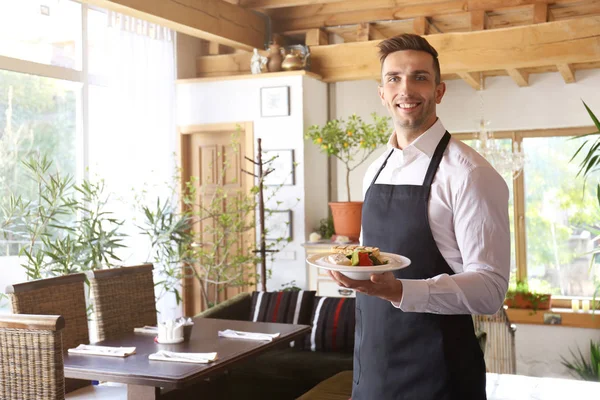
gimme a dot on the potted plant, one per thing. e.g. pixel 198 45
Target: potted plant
pixel 351 141
pixel 580 367
pixel 521 296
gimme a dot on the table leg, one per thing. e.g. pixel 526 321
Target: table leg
pixel 139 392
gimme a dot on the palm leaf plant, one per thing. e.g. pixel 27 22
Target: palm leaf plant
pixel 581 367
pixel 588 166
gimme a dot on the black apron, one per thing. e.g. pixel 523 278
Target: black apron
pixel 408 355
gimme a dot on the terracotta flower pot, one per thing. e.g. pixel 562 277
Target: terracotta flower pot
pixel 529 300
pixel 347 218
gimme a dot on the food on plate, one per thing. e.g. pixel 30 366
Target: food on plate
pixel 364 256
pixel 339 259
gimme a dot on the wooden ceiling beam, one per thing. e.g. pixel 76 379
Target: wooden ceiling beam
pixel 520 77
pixel 567 72
pixel 375 34
pixel 421 26
pixel 265 4
pixel 540 13
pixel 316 37
pixel 351 12
pixel 363 32
pixel 472 78
pixel 553 43
pixel 477 20
pixel 213 20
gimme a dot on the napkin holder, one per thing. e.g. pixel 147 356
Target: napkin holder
pixel 188 324
pixel 170 332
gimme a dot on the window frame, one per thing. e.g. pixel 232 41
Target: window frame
pixel 517 136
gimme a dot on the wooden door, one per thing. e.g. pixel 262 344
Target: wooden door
pixel 215 155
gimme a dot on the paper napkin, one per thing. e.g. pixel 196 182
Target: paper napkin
pixel 199 358
pixel 88 349
pixel 232 334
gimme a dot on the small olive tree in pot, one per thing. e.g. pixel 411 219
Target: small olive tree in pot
pixel 351 141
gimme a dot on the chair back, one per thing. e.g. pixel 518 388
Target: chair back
pixel 63 295
pixel 500 355
pixel 123 299
pixel 31 357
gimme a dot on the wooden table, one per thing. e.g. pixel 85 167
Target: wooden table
pixel 145 378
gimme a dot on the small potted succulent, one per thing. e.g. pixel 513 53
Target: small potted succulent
pixel 351 141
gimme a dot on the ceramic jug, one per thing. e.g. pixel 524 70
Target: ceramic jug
pixel 275 57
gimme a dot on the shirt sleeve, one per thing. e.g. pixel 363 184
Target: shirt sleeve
pixel 481 225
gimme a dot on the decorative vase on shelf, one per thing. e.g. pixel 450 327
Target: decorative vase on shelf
pixel 292 62
pixel 275 58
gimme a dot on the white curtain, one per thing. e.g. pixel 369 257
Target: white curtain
pixel 132 127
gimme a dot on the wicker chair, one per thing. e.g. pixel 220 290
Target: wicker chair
pixel 63 296
pixel 500 354
pixel 31 361
pixel 123 299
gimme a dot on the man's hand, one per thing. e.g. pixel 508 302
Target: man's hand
pixel 385 285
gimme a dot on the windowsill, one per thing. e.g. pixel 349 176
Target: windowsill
pixel 569 318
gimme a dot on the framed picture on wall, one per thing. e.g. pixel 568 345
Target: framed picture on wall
pixel 275 101
pixel 282 163
pixel 279 225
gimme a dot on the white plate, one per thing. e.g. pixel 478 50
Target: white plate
pixel 395 261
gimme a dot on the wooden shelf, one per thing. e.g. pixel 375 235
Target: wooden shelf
pixel 250 76
pixel 569 318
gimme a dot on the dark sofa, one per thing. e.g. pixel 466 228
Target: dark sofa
pixel 283 373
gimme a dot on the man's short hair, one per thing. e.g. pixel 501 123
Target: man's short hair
pixel 409 41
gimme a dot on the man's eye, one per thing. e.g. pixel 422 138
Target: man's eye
pixel 392 79
pixel 420 77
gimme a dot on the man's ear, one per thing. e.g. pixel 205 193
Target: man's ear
pixel 440 89
pixel 380 91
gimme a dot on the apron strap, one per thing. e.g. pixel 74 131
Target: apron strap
pixel 435 160
pixel 381 168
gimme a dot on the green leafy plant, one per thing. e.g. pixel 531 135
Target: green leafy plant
pixel 64 228
pixel 580 367
pixel 588 166
pixel 520 295
pixel 351 141
pixel 203 233
pixel 326 228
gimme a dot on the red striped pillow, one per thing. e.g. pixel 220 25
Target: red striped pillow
pixel 332 320
pixel 289 307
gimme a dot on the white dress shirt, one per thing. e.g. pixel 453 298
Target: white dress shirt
pixel 468 214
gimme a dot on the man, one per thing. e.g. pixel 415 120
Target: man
pixel 438 202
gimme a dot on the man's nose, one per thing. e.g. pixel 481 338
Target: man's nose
pixel 405 86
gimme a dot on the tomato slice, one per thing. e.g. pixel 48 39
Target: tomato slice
pixel 364 260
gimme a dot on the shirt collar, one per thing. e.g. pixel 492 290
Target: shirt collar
pixel 426 143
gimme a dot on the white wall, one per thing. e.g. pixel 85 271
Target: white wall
pixel 238 101
pixel 539 348
pixel 547 103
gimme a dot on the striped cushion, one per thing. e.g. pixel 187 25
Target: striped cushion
pixel 289 307
pixel 332 322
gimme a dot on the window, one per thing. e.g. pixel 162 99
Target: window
pixel 47 32
pixel 76 82
pixel 38 115
pixel 557 248
pixel 562 219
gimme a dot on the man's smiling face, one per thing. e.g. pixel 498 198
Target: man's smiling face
pixel 409 90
